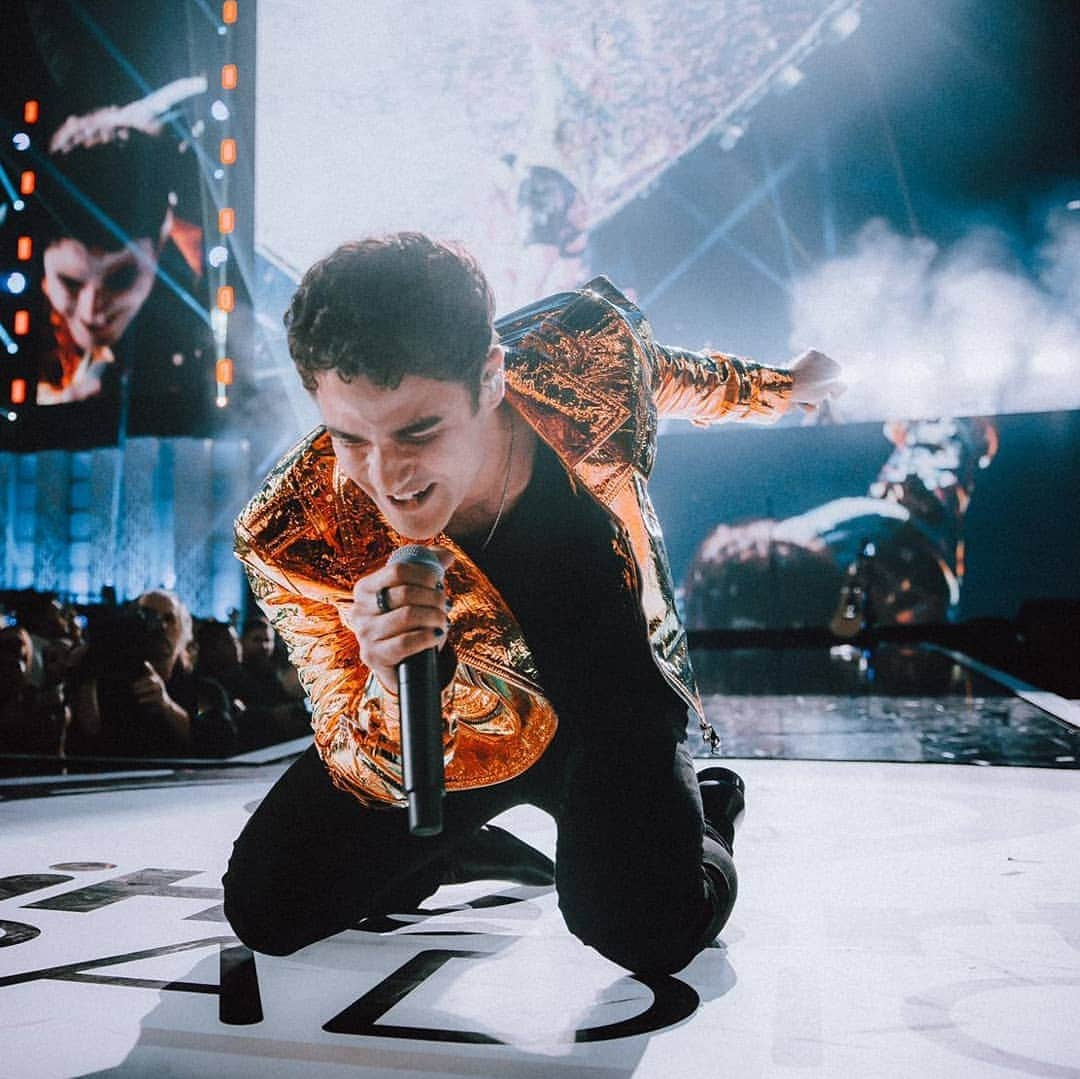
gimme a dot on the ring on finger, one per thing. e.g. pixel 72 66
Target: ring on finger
pixel 382 599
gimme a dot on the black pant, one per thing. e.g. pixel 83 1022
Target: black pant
pixel 637 879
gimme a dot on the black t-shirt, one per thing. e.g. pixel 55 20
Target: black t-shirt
pixel 555 560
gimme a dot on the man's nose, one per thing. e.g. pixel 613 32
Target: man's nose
pixel 90 306
pixel 390 469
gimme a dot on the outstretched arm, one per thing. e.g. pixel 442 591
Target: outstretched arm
pixel 709 387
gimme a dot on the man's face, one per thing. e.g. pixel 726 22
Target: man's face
pixel 258 643
pixel 171 625
pixel 98 292
pixel 16 653
pixel 417 451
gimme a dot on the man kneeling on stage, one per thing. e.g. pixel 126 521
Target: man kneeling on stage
pixel 520 458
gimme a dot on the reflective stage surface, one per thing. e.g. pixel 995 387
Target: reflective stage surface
pixel 894 920
pixel 896 704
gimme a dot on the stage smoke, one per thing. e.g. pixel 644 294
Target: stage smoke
pixel 928 331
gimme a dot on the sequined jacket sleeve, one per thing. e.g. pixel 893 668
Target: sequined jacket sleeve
pixel 707 387
pixel 584 346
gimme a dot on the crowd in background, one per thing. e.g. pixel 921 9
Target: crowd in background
pixel 140 679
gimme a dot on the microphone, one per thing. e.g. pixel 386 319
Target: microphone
pixel 420 705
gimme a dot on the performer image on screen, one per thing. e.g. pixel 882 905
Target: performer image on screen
pixel 122 274
pixel 518 455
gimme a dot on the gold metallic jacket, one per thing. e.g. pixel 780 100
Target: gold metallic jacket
pixel 583 370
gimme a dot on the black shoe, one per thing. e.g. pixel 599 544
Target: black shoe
pixel 491 853
pixel 723 797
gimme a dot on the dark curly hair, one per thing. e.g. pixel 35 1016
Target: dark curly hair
pixel 107 194
pixel 392 306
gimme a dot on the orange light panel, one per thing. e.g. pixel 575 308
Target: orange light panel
pixel 24 248
pixel 228 151
pixel 22 323
pixel 30 113
pixel 229 11
pixel 226 219
pixel 18 391
pixel 226 298
pixel 224 371
pixel 27 182
pixel 230 77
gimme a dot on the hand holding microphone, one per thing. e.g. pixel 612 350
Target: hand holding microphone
pixel 399 617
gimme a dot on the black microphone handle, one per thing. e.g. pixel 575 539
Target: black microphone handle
pixel 420 707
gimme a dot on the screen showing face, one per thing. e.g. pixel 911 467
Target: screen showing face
pixel 129 123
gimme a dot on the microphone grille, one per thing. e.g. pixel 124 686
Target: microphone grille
pixel 417 555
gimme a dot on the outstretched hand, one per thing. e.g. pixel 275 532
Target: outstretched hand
pixel 816 379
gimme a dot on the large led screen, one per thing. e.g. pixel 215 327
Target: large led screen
pixel 126 157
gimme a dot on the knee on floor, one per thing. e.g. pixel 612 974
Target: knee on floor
pixel 259 926
pixel 642 946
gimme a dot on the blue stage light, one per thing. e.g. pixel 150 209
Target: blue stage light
pixel 18 204
pixel 219 110
pixel 21 140
pixel 12 348
pixel 16 282
pixel 218 255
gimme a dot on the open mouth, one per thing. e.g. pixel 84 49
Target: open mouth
pixel 411 500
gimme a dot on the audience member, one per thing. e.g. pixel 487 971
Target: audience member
pixel 272 695
pixel 137 695
pixel 33 717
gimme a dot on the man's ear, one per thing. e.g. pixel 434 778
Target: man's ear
pixel 493 378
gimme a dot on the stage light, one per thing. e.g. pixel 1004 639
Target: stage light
pixel 31 111
pixel 219 110
pixel 21 323
pixel 226 298
pixel 24 248
pixel 229 12
pixel 217 256
pixel 1073 204
pixel 27 182
pixel 230 77
pixel 845 24
pixel 730 134
pixel 226 219
pixel 18 391
pixel 20 140
pixel 219 323
pixel 228 151
pixel 18 204
pixel 12 348
pixel 219 174
pixel 16 283
pixel 224 371
pixel 790 76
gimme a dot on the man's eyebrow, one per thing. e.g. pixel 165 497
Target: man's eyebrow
pixel 344 435
pixel 424 423
pixel 418 426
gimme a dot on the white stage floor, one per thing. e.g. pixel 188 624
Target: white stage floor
pixel 894 920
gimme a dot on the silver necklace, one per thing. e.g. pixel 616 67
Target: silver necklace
pixel 505 488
